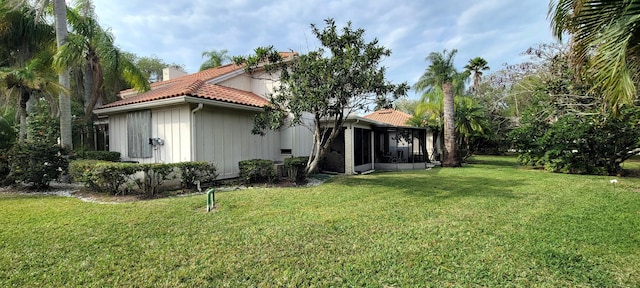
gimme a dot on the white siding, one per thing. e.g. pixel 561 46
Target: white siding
pixel 169 124
pixel 118 134
pixel 172 126
pixel 223 136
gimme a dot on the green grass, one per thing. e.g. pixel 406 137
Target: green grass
pixel 486 224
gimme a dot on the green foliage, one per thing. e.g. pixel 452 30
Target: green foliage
pixel 192 173
pixel 605 37
pixel 36 163
pixel 7 134
pixel 256 171
pixel 586 144
pixel 214 58
pixel 103 176
pixel 119 178
pixel 111 156
pixel 155 174
pixel 42 127
pixel 296 167
pixel 329 83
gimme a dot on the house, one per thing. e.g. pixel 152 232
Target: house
pixel 381 140
pixel 205 116
pixel 208 116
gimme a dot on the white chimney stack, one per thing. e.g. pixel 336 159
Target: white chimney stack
pixel 172 73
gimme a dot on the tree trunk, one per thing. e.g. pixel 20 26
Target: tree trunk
pixel 314 158
pixel 60 17
pixel 450 159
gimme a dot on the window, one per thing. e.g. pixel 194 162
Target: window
pixel 138 134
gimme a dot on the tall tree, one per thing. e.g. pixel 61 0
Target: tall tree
pixel 328 87
pixel 215 58
pixel 605 35
pixel 442 74
pixel 64 99
pixel 475 67
pixel 91 47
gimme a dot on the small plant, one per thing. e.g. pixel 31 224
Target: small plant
pixel 154 176
pixel 296 167
pixel 37 163
pixel 256 171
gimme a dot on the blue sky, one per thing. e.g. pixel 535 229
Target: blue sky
pixel 178 31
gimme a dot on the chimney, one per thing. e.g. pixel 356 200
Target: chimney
pixel 171 73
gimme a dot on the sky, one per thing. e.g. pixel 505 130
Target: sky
pixel 179 31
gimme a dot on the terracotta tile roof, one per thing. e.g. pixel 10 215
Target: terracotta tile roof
pixel 194 85
pixel 390 116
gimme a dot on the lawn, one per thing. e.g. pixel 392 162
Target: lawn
pixel 489 223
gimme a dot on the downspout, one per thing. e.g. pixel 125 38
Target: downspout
pixel 193 130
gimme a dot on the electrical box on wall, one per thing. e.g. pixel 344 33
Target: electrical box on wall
pixel 156 141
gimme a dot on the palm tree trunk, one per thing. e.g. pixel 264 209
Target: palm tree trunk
pixel 60 16
pixel 450 159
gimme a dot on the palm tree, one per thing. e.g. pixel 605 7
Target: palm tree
pixel 60 19
pixel 215 58
pixel 443 75
pixel 605 34
pixel 476 66
pixel 91 47
pixel 35 79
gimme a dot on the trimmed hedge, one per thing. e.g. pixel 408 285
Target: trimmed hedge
pixel 256 171
pixel 120 178
pixel 194 173
pixel 111 156
pixel 296 168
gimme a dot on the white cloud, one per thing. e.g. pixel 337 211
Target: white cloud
pixel 178 31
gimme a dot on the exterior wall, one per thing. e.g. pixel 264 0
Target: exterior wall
pixel 171 124
pixel 223 137
pixel 298 139
pixel 240 82
pixel 262 83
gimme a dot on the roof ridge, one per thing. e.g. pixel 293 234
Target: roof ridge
pixel 193 87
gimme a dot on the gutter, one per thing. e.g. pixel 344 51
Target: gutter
pixel 174 101
pixel 193 130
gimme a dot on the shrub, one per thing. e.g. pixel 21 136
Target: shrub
pixel 296 168
pixel 580 144
pixel 192 173
pixel 111 156
pixel 112 177
pixel 37 163
pixel 155 175
pixel 118 178
pixel 256 171
pixel 80 170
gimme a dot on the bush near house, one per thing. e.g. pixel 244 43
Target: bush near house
pixel 121 178
pixel 111 156
pixel 295 167
pixel 256 171
pixel 36 163
pixel 196 172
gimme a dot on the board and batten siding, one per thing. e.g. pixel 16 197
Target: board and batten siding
pixel 223 137
pixel 171 124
